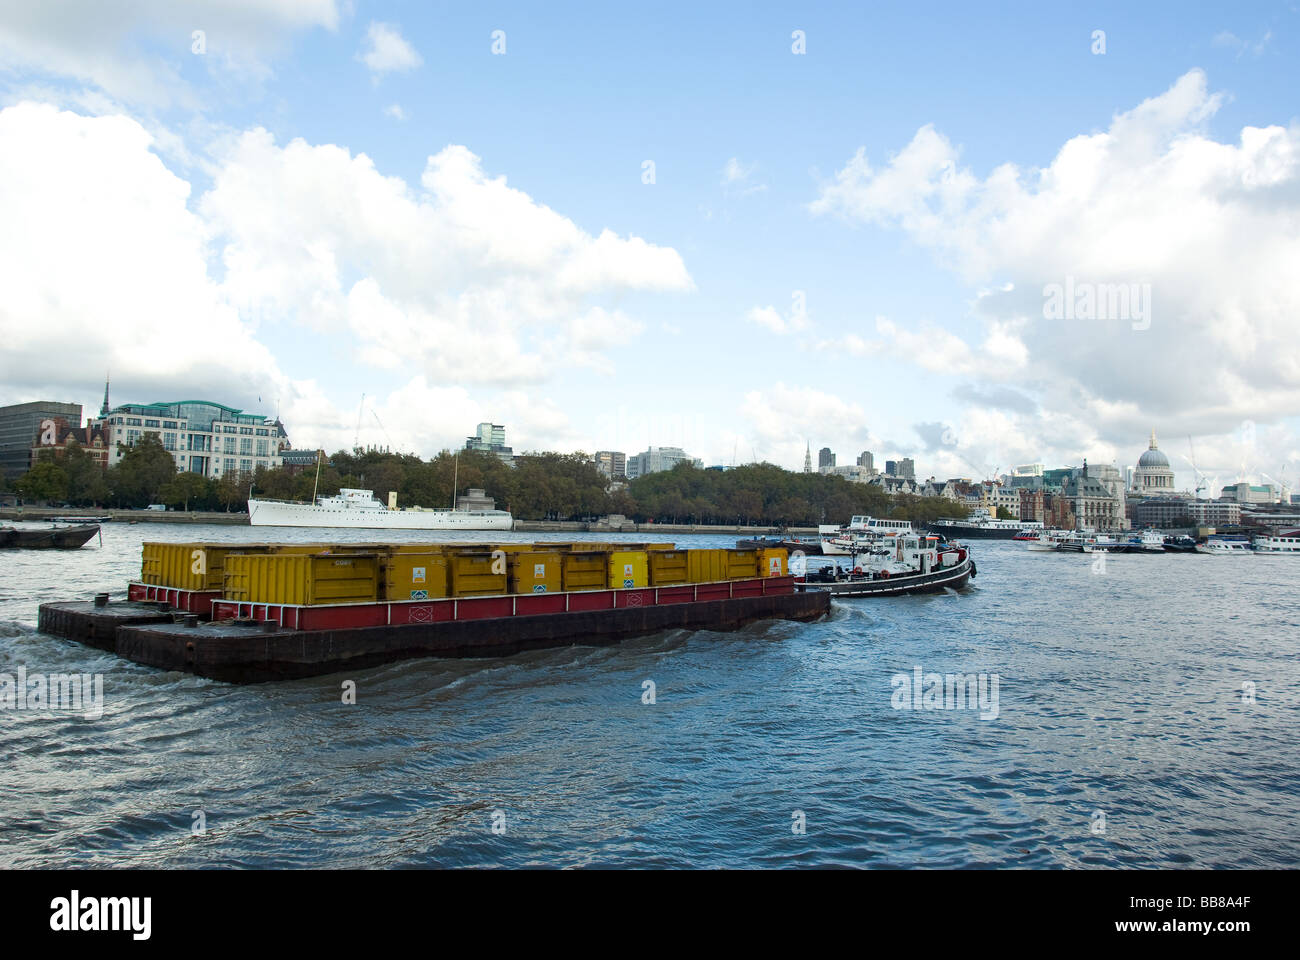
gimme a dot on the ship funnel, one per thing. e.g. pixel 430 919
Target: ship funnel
pixel 392 499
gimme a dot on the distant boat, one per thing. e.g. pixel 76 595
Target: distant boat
pixel 359 510
pixel 1288 542
pixel 862 529
pixel 979 525
pixel 1220 546
pixel 47 538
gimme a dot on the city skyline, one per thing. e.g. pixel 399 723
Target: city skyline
pixel 316 201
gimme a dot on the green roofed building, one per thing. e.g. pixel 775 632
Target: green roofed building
pixel 207 438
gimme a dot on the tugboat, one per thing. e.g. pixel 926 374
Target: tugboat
pixel 1182 544
pixel 896 566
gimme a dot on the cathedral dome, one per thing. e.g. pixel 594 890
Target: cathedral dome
pixel 1153 458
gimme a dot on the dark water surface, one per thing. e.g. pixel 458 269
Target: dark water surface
pixel 1120 694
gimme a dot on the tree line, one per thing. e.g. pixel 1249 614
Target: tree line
pixel 542 486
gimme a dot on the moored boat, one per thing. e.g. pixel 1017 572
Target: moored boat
pixel 1287 542
pixel 981 526
pixel 358 509
pixel 1224 546
pixel 47 538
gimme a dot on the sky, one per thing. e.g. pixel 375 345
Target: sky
pixel 979 238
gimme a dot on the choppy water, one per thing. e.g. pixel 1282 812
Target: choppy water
pixel 1119 692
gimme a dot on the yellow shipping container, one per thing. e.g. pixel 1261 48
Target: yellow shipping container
pixel 773 562
pixel 706 566
pixel 742 564
pixel 189 566
pixel 299 579
pixel 535 572
pixel 628 569
pixel 415 576
pixel 583 571
pixel 475 574
pixel 668 567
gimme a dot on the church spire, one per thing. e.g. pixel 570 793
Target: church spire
pixel 103 411
pixel 807 458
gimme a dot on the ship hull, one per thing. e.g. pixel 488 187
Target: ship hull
pixel 975 532
pixel 952 578
pixel 270 513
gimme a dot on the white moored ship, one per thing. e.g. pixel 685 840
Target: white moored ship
pixel 358 509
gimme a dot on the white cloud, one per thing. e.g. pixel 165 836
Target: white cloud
pixel 386 51
pixel 135 51
pixel 462 281
pixel 784 419
pixel 1153 199
pixel 1242 47
pixel 771 319
pixel 737 178
pixel 466 278
pixel 395 111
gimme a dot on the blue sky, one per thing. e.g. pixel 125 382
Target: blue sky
pixel 922 300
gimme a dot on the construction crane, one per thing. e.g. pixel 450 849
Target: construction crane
pixel 1200 477
pixel 1282 485
pixel 383 428
pixel 356 437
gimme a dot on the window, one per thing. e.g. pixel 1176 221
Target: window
pixel 133 422
pixel 263 433
pixel 169 425
pixel 246 445
pixel 169 441
pixel 151 423
pixel 246 466
pixel 246 431
pixel 229 445
pixel 229 463
pixel 261 448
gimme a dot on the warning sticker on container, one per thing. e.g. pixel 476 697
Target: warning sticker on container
pixel 417 576
pixel 774 564
pixel 627 570
pixel 539 588
pixel 539 572
pixel 419 594
pixel 628 582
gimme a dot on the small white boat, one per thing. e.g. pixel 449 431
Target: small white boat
pixel 1222 546
pixel 1049 541
pixel 1151 541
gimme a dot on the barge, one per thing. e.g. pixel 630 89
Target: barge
pixel 306 611
pixel 48 538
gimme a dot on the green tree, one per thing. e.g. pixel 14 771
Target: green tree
pixel 183 489
pixel 46 481
pixel 143 471
pixel 87 479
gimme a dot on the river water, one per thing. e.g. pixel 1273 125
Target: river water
pixel 1127 734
